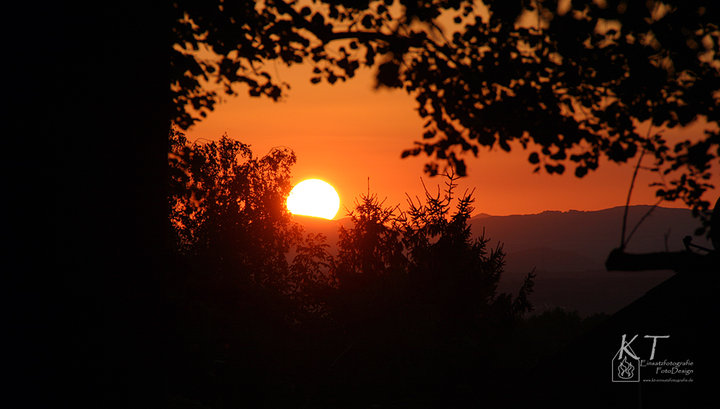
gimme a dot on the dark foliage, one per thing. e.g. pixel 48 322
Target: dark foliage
pixel 573 82
pixel 227 207
pixel 416 290
pixel 263 316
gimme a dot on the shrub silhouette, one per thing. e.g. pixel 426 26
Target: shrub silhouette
pixel 264 315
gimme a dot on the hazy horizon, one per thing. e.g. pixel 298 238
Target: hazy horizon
pixel 679 206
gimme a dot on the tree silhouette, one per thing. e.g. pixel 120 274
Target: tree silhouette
pixel 416 298
pixel 243 275
pixel 572 81
pixel 407 310
pixel 228 208
pixel 459 271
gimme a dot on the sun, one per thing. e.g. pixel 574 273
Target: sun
pixel 314 197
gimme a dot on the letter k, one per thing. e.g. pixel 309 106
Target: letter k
pixel 625 347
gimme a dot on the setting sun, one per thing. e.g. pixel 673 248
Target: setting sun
pixel 314 197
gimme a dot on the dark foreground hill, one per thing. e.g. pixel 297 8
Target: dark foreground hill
pixel 680 372
pixel 567 250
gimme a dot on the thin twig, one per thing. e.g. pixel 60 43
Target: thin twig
pixel 642 219
pixel 632 185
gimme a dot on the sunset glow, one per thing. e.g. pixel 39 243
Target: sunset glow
pixel 314 197
pixel 353 132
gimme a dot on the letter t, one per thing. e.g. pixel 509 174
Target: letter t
pixel 655 338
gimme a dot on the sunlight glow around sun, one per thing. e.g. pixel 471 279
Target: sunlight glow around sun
pixel 314 197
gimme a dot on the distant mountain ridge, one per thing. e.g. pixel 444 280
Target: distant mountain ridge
pixel 584 237
pixel 567 250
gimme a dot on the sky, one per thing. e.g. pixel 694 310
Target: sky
pixel 348 132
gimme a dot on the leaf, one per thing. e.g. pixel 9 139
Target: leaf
pixel 367 21
pixel 389 75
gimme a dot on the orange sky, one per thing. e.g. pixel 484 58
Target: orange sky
pixel 348 132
